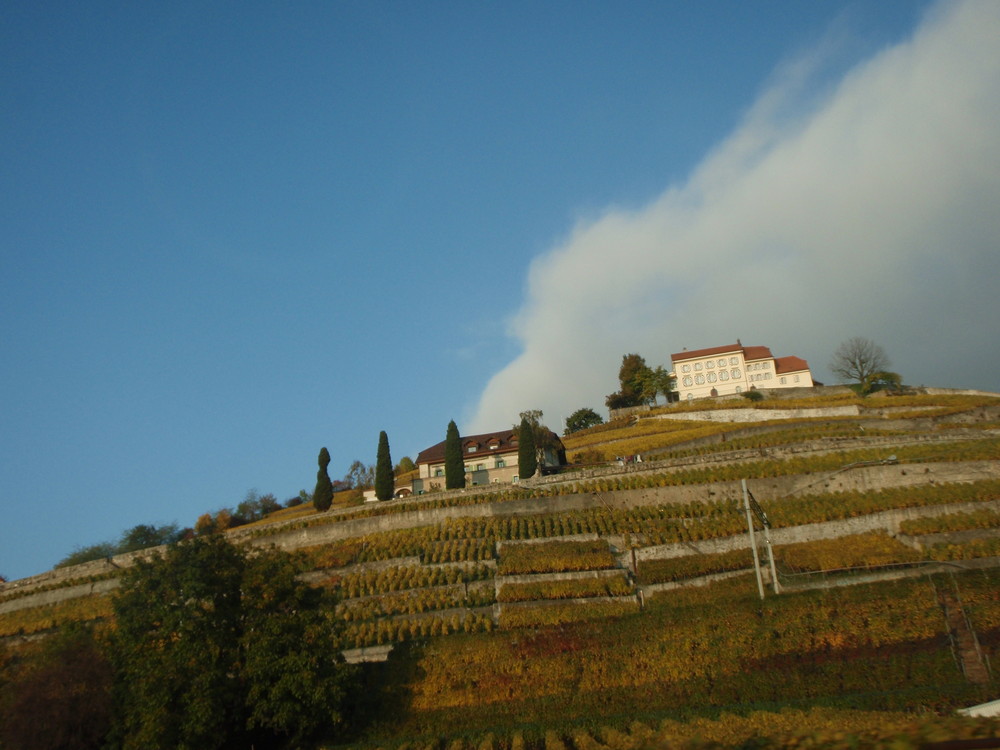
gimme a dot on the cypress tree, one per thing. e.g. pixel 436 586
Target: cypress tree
pixel 454 464
pixel 527 458
pixel 384 480
pixel 323 494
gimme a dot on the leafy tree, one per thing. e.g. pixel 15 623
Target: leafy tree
pixel 176 648
pixel 655 381
pixel 217 648
pixel 883 380
pixel 858 359
pixel 323 494
pixel 405 466
pixel 59 695
pixel 527 458
pixel 86 554
pixel 632 375
pixel 295 685
pixel 143 536
pixel 454 463
pixel 384 480
pixel 359 475
pixel 581 419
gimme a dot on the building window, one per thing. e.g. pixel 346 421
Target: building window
pixel 480 467
pixel 699 379
pixel 471 449
pixel 697 366
pixel 733 361
pixel 500 463
pixel 515 479
pixel 784 380
pixel 736 373
pixel 723 375
pixel 439 472
pixel 710 365
pixel 712 377
pixel 796 378
pixel 739 389
pixel 722 362
pixel 688 382
pixel 685 368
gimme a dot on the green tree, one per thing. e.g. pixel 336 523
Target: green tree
pixel 883 380
pixel 527 457
pixel 296 686
pixel 632 375
pixel 384 480
pixel 654 382
pixel 215 648
pixel 323 494
pixel 360 475
pixel 581 419
pixel 405 466
pixel 454 463
pixel 176 648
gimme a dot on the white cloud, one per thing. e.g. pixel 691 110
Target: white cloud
pixel 874 211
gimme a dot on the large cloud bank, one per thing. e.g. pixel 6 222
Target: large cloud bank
pixel 874 211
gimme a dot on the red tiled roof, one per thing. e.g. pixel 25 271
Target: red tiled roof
pixel 695 353
pixel 749 352
pixel 506 441
pixel 784 365
pixel 753 353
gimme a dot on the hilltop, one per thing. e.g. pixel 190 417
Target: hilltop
pixel 618 601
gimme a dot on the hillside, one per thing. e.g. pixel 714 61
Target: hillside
pixel 616 602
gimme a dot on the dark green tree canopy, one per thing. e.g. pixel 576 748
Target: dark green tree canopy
pixel 215 648
pixel 581 419
pixel 384 479
pixel 631 377
pixel 323 494
pixel 405 466
pixel 527 457
pixel 454 462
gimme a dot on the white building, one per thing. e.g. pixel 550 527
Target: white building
pixel 726 370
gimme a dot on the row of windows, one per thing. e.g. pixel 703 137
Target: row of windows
pixel 493 446
pixel 498 464
pixel 712 377
pixel 710 365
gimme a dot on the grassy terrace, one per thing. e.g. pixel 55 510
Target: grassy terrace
pixel 960 450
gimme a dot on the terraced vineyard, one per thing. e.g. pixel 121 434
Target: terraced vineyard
pixel 608 605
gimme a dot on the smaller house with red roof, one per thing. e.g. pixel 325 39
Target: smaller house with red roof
pixel 490 458
pixel 726 370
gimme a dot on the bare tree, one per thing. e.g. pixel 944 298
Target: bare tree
pixel 858 359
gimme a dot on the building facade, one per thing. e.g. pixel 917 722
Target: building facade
pixel 727 370
pixel 490 458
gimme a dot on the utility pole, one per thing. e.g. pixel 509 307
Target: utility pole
pixel 753 541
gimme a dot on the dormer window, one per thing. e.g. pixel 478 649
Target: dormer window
pixel 472 448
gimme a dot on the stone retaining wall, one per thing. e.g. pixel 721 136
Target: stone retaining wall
pixel 857 478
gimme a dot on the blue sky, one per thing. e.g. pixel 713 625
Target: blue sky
pixel 234 233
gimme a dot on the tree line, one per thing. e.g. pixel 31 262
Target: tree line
pixel 213 646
